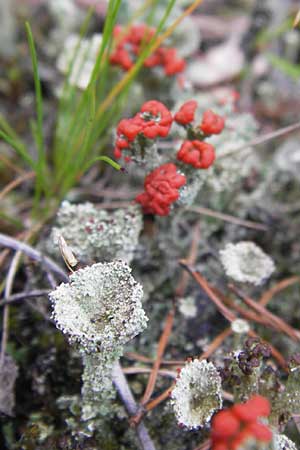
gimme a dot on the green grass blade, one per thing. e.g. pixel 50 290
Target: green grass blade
pixel 103 158
pixel 285 66
pixel 37 128
pixel 20 150
pixel 38 94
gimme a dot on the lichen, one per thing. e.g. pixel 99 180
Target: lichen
pixel 282 442
pixel 100 309
pixel 96 235
pixel 246 262
pixel 197 394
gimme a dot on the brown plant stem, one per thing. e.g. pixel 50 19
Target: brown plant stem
pixel 15 183
pixel 142 370
pixel 227 218
pixel 227 313
pixel 283 284
pixel 262 139
pixel 160 351
pixel 277 321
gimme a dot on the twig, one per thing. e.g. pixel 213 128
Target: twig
pixel 280 323
pixel 268 295
pixel 209 291
pixel 13 184
pixel 215 344
pixel 225 311
pixel 160 351
pixel 127 398
pixel 261 139
pixel 9 164
pixel 154 371
pixel 136 370
pixel 8 288
pixel 160 398
pixel 191 258
pixel 10 242
pixel 227 218
pixel 23 296
pixel 165 362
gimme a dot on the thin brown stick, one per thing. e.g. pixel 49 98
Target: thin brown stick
pixel 281 324
pixel 7 162
pixel 160 351
pixel 191 258
pixel 142 370
pixel 262 139
pixel 227 218
pixel 15 183
pixel 209 291
pixel 215 343
pixel 165 362
pixel 269 294
pixel 160 398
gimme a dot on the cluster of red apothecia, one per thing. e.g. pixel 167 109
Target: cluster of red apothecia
pixel 232 428
pixel 154 120
pixel 130 43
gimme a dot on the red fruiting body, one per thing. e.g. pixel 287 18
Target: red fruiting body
pixel 260 431
pixel 172 64
pixel 240 439
pixel 161 189
pixel 131 43
pixel 220 446
pixel 121 57
pixel 224 425
pixel 186 113
pixel 152 121
pixel 255 407
pixel 159 121
pixel 233 427
pixel 129 128
pixel 199 154
pixel 212 123
pixel 260 404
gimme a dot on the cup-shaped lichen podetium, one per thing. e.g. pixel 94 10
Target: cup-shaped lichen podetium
pixel 197 393
pixel 100 310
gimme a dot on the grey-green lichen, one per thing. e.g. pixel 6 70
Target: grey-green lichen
pixel 282 442
pixel 197 394
pixel 97 235
pixel 100 308
pixel 246 262
pixel 97 385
